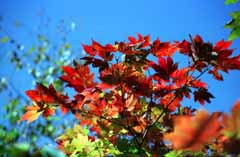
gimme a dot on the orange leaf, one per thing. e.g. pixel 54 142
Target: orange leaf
pixel 191 133
pixel 131 102
pixel 31 114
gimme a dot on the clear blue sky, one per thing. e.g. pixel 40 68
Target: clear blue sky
pixel 109 20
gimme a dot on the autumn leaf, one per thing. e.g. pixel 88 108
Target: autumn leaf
pixel 140 97
pixel 164 68
pixel 100 50
pixel 191 133
pixel 131 102
pixel 104 51
pixel 160 49
pixel 170 101
pixel 202 95
pixel 78 77
pixel 41 94
pixel 89 50
pixel 180 77
pixel 101 64
pixel 142 42
pixel 222 45
pixel 44 97
pixel 48 112
pixel 32 113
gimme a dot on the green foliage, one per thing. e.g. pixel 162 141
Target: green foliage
pixel 20 149
pixel 41 58
pixel 180 153
pixel 227 2
pixel 234 25
pixel 77 144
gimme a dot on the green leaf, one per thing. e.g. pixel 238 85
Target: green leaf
pixel 235 33
pixel 31 50
pixel 234 24
pixel 67 46
pixel 23 147
pixel 4 39
pixel 227 2
pixel 2 133
pixel 15 102
pixel 235 15
pixel 172 154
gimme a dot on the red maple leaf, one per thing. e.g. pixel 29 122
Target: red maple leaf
pixel 164 68
pixel 100 50
pixel 161 49
pixel 78 77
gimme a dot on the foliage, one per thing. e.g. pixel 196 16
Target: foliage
pixel 33 60
pixel 230 2
pixel 134 106
pixel 234 24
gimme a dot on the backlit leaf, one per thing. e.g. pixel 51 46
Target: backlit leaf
pixel 191 133
pixel 230 2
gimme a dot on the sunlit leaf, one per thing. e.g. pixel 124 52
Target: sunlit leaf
pixel 230 2
pixel 191 133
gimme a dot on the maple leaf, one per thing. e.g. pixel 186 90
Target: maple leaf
pixel 139 86
pixel 104 51
pixel 167 99
pixel 100 50
pixel 222 45
pixel 89 50
pixel 163 49
pixel 142 42
pixel 32 113
pixel 223 61
pixel 216 74
pixel 180 77
pixel 78 77
pixel 191 133
pixel 204 54
pixel 48 95
pixel 164 68
pixel 202 95
pixel 101 64
pixel 42 94
pixel 134 47
pixel 110 76
pixel 132 40
pixel 196 49
pixel 184 47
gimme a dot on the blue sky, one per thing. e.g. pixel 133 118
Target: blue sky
pixel 109 21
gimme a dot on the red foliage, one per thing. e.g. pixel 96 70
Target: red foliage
pixel 143 98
